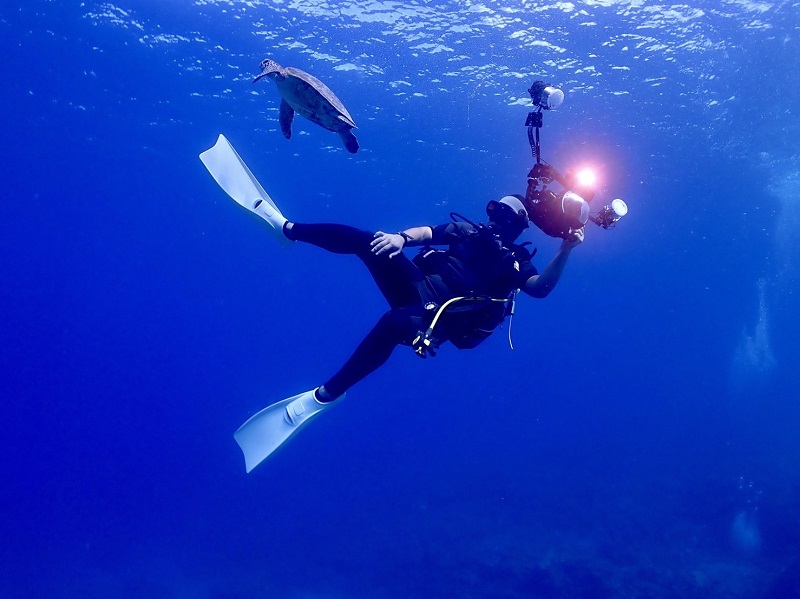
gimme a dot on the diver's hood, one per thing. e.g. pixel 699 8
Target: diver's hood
pixel 516 205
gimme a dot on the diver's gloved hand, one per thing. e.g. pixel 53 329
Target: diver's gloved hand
pixel 574 240
pixel 387 242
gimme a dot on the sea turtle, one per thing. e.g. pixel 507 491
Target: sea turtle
pixel 308 96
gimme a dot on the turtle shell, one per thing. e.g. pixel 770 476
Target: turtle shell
pixel 314 100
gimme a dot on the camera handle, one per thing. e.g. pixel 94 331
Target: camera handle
pixel 534 121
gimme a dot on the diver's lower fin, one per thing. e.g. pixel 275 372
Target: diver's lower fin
pixel 233 176
pixel 273 426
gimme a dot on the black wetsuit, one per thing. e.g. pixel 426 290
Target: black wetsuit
pixel 476 263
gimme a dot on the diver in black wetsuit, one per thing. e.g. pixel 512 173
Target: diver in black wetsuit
pixel 481 265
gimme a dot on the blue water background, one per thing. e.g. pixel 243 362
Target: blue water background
pixel 639 441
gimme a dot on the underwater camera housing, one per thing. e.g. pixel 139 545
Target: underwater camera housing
pixel 545 96
pixel 558 214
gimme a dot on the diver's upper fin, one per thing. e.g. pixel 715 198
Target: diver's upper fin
pixel 233 176
pixel 273 426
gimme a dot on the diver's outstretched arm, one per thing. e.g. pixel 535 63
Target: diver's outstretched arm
pixel 540 286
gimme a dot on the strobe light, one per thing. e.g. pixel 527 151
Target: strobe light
pixel 610 214
pixel 545 95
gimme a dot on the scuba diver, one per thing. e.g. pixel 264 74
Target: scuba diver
pixel 458 294
pixel 478 274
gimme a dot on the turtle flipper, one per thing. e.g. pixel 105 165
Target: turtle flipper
pixel 286 117
pixel 349 140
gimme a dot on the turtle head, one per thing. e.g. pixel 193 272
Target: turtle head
pixel 271 69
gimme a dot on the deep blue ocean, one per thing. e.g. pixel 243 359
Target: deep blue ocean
pixel 640 440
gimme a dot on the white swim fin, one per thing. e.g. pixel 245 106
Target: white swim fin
pixel 273 426
pixel 233 176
